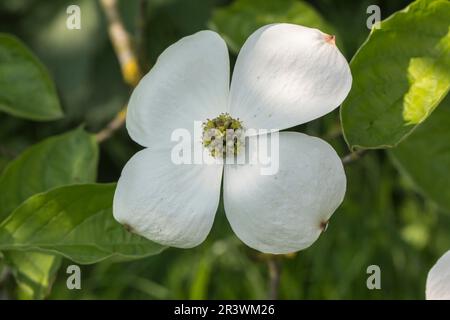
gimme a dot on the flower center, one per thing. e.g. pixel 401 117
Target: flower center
pixel 223 136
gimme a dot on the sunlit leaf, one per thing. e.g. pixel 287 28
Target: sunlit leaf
pixel 400 75
pixel 425 156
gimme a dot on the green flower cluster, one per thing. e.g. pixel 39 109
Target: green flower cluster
pixel 223 135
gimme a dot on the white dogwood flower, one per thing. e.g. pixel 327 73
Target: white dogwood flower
pixel 438 280
pixel 285 75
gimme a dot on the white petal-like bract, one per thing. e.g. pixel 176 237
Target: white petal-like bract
pixel 170 204
pixel 286 75
pixel 189 82
pixel 287 211
pixel 438 280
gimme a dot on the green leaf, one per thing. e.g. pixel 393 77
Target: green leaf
pixel 239 20
pixel 34 273
pixel 425 156
pixel 75 221
pixel 27 90
pixel 401 74
pixel 60 160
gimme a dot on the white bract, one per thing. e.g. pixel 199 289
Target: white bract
pixel 285 75
pixel 438 280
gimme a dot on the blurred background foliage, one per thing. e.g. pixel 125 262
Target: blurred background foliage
pixel 382 221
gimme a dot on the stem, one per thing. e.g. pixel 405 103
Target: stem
pixel 114 125
pixel 131 72
pixel 352 156
pixel 274 268
pixel 122 44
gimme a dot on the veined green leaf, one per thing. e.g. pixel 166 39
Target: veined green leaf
pixel 66 159
pixel 60 160
pixel 400 75
pixel 27 90
pixel 75 221
pixel 425 156
pixel 239 20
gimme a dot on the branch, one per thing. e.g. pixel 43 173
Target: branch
pixel 120 39
pixel 274 267
pixel 128 61
pixel 353 156
pixel 114 125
